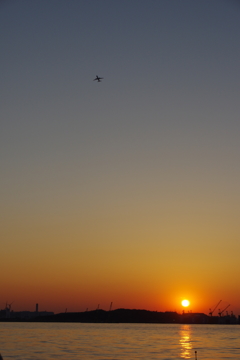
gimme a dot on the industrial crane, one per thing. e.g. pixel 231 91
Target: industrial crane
pixel 212 311
pixel 220 312
pixel 8 306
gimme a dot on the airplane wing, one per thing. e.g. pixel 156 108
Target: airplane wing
pixel 98 79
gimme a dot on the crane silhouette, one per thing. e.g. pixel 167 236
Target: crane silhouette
pixel 220 312
pixel 212 311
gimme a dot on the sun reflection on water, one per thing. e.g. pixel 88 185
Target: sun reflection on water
pixel 185 342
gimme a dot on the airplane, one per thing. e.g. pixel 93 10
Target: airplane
pixel 97 78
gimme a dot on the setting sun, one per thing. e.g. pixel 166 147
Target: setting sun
pixel 185 303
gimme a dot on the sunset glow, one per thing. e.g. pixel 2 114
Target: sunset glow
pixel 185 303
pixel 124 191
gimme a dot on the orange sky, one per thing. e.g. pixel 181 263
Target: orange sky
pixel 124 191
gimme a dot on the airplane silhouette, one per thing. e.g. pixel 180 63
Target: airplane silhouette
pixel 97 78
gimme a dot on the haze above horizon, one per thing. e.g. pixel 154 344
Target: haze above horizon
pixel 127 190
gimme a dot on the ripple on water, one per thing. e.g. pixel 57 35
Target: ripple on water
pixel 30 341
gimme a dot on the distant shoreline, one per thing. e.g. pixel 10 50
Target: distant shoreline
pixel 125 316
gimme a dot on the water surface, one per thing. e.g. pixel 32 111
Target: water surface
pixel 32 341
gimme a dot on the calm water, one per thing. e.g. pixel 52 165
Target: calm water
pixel 118 341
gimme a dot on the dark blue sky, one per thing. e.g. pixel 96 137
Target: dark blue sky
pixel 149 156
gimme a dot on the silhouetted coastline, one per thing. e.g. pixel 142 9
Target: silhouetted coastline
pixel 127 316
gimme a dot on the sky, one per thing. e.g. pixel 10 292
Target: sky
pixel 126 190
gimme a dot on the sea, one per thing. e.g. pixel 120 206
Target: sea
pixel 29 341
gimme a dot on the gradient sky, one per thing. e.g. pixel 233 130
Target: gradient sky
pixel 124 191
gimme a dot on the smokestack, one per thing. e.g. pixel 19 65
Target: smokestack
pixel 36 308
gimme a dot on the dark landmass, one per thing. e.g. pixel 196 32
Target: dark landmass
pixel 127 316
pixel 116 316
